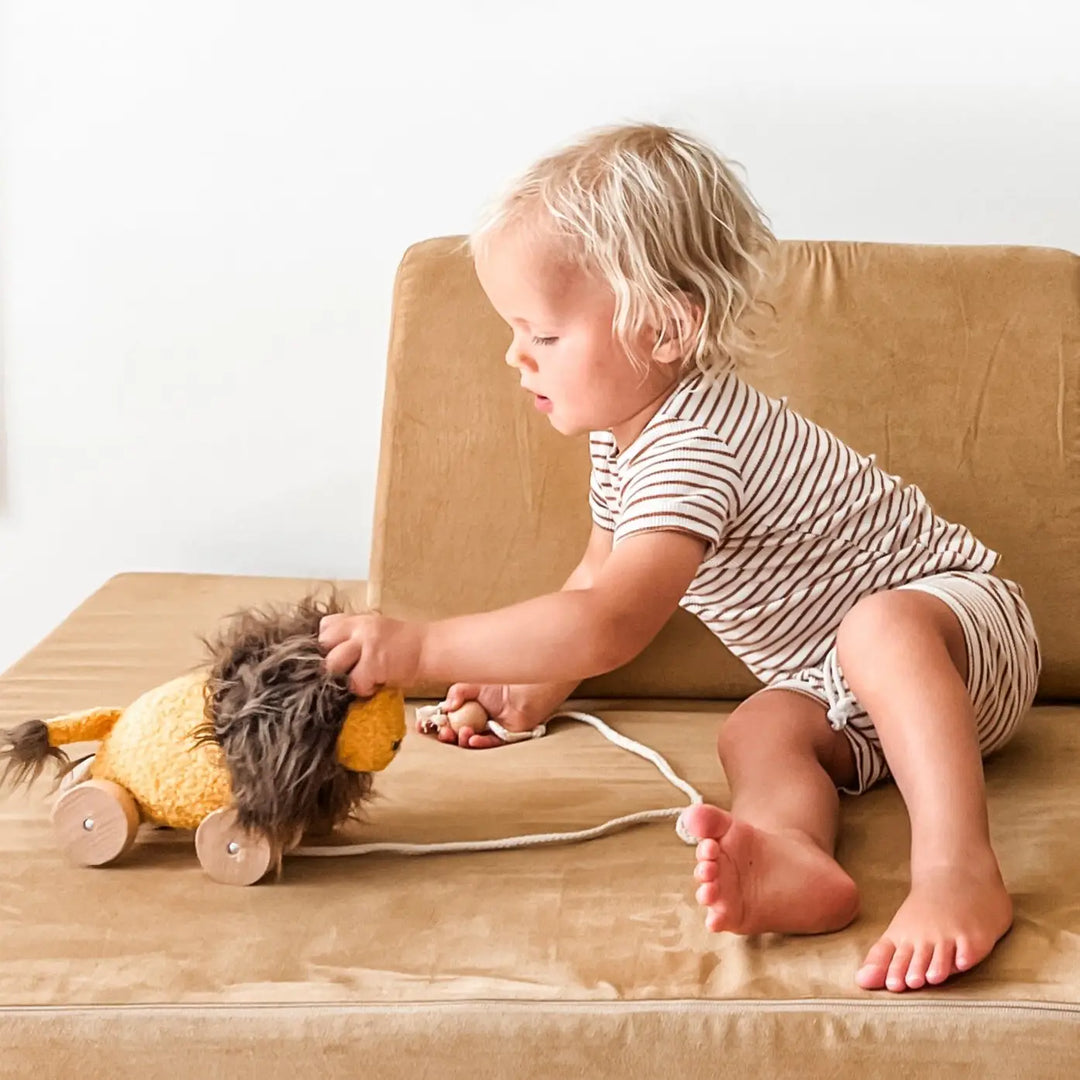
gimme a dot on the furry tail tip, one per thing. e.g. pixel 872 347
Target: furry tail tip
pixel 24 752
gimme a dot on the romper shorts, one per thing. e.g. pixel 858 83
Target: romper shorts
pixel 1003 661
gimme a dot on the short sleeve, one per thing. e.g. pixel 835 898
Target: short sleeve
pixel 601 495
pixel 685 479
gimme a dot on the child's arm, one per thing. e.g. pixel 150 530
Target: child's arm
pixel 575 633
pixel 541 699
pixel 522 707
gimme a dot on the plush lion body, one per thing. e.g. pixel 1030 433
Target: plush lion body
pixel 150 751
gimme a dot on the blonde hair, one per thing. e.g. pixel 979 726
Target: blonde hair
pixel 663 219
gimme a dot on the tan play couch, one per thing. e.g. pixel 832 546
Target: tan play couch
pixel 959 368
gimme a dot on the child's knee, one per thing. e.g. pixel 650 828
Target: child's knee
pixel 771 722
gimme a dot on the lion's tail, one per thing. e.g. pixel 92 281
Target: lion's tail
pixel 25 749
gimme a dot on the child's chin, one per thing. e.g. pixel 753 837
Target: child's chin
pixel 563 427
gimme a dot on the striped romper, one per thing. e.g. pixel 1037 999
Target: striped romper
pixel 798 527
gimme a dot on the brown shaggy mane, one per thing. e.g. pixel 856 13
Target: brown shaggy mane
pixel 276 713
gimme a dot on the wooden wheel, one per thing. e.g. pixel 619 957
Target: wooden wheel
pixel 228 853
pixel 96 822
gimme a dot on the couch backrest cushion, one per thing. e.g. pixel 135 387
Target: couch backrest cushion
pixel 959 367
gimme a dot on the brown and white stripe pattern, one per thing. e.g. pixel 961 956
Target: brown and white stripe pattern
pixel 798 525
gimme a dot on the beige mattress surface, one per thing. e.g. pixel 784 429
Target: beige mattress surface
pixel 583 959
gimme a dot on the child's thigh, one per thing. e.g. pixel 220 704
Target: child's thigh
pixel 1003 657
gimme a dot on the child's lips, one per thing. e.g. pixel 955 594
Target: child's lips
pixel 541 402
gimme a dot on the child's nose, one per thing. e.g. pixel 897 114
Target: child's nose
pixel 518 358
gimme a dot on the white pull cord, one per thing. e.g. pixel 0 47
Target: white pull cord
pixel 536 839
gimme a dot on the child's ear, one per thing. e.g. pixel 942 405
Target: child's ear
pixel 678 331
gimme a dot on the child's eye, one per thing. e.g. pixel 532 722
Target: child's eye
pixel 544 340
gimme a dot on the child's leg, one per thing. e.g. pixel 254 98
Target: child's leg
pixel 768 865
pixel 904 657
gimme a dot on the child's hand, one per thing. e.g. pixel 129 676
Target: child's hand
pixel 374 650
pixel 499 702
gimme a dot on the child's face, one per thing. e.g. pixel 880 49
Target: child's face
pixel 564 348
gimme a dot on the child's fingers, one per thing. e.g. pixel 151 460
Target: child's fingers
pixel 342 657
pixel 484 742
pixel 470 740
pixel 332 630
pixel 459 693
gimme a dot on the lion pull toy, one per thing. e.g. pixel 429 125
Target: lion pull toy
pixel 255 748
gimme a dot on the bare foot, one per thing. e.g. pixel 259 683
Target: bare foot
pixel 951 919
pixel 755 881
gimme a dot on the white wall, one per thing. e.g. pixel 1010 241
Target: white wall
pixel 202 206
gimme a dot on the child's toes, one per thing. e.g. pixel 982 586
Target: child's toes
pixel 709 870
pixel 941 967
pixel 706 850
pixel 708 894
pixel 716 920
pixel 966 956
pixel 871 976
pixel 901 960
pixel 920 961
pixel 703 821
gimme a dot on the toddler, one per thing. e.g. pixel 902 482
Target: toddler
pixel 886 644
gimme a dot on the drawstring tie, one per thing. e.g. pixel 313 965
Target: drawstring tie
pixel 842 703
